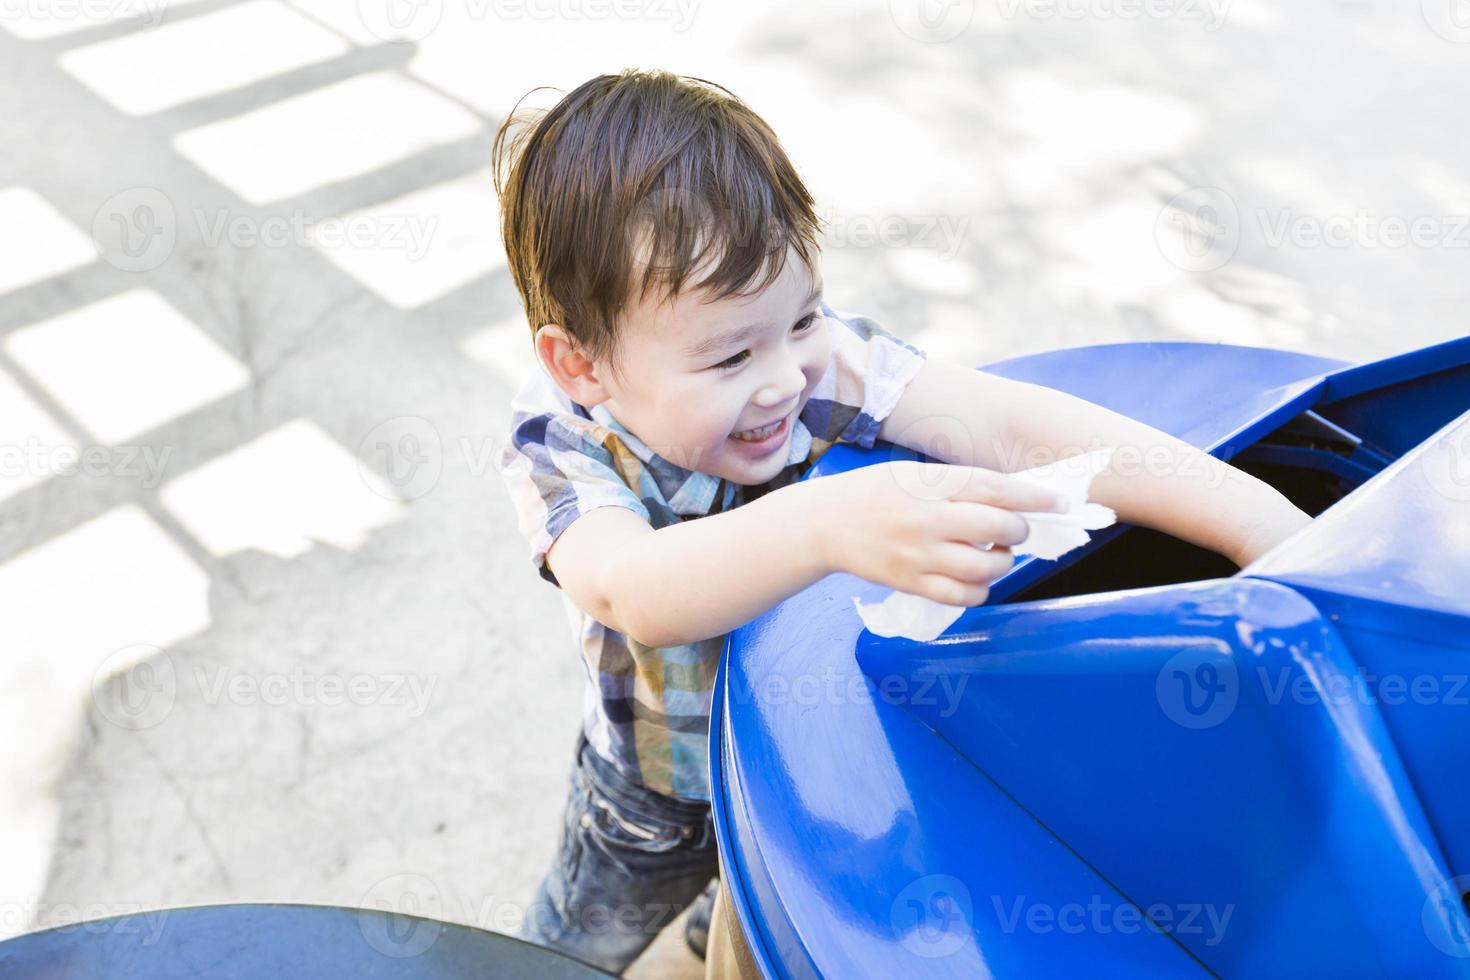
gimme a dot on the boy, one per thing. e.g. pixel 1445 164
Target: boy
pixel 665 250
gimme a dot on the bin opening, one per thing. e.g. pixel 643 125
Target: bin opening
pixel 1312 461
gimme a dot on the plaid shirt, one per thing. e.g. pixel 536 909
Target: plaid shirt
pixel 646 709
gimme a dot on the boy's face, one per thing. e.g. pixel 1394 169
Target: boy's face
pixel 696 372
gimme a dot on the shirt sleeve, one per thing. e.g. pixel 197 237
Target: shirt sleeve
pixel 557 469
pixel 868 372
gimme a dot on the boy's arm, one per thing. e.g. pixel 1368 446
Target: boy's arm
pixel 960 415
pixel 887 523
pixel 694 580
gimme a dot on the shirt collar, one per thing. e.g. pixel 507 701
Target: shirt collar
pixel 697 491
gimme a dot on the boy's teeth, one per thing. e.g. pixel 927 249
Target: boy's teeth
pixel 755 435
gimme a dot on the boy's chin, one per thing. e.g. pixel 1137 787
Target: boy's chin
pixel 752 473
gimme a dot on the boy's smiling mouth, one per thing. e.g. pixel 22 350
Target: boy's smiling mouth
pixel 764 438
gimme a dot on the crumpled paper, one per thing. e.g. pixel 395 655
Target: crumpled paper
pixel 1052 535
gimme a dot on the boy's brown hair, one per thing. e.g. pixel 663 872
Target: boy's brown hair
pixel 643 169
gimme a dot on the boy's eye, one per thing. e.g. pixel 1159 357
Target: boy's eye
pixel 733 362
pixel 738 359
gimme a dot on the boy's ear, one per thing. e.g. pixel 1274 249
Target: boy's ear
pixel 572 371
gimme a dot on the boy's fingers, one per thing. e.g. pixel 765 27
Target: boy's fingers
pixel 977 523
pixel 968 564
pixel 1004 490
pixel 942 588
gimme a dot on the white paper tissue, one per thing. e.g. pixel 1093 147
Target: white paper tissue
pixel 1052 535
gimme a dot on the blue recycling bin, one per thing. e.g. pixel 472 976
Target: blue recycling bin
pixel 1139 760
pixel 278 941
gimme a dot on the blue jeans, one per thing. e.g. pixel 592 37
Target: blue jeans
pixel 630 860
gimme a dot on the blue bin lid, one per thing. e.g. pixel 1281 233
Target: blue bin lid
pixel 852 829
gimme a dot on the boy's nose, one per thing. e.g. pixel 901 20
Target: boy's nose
pixel 785 388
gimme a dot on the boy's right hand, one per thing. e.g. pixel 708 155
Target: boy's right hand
pixel 919 527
